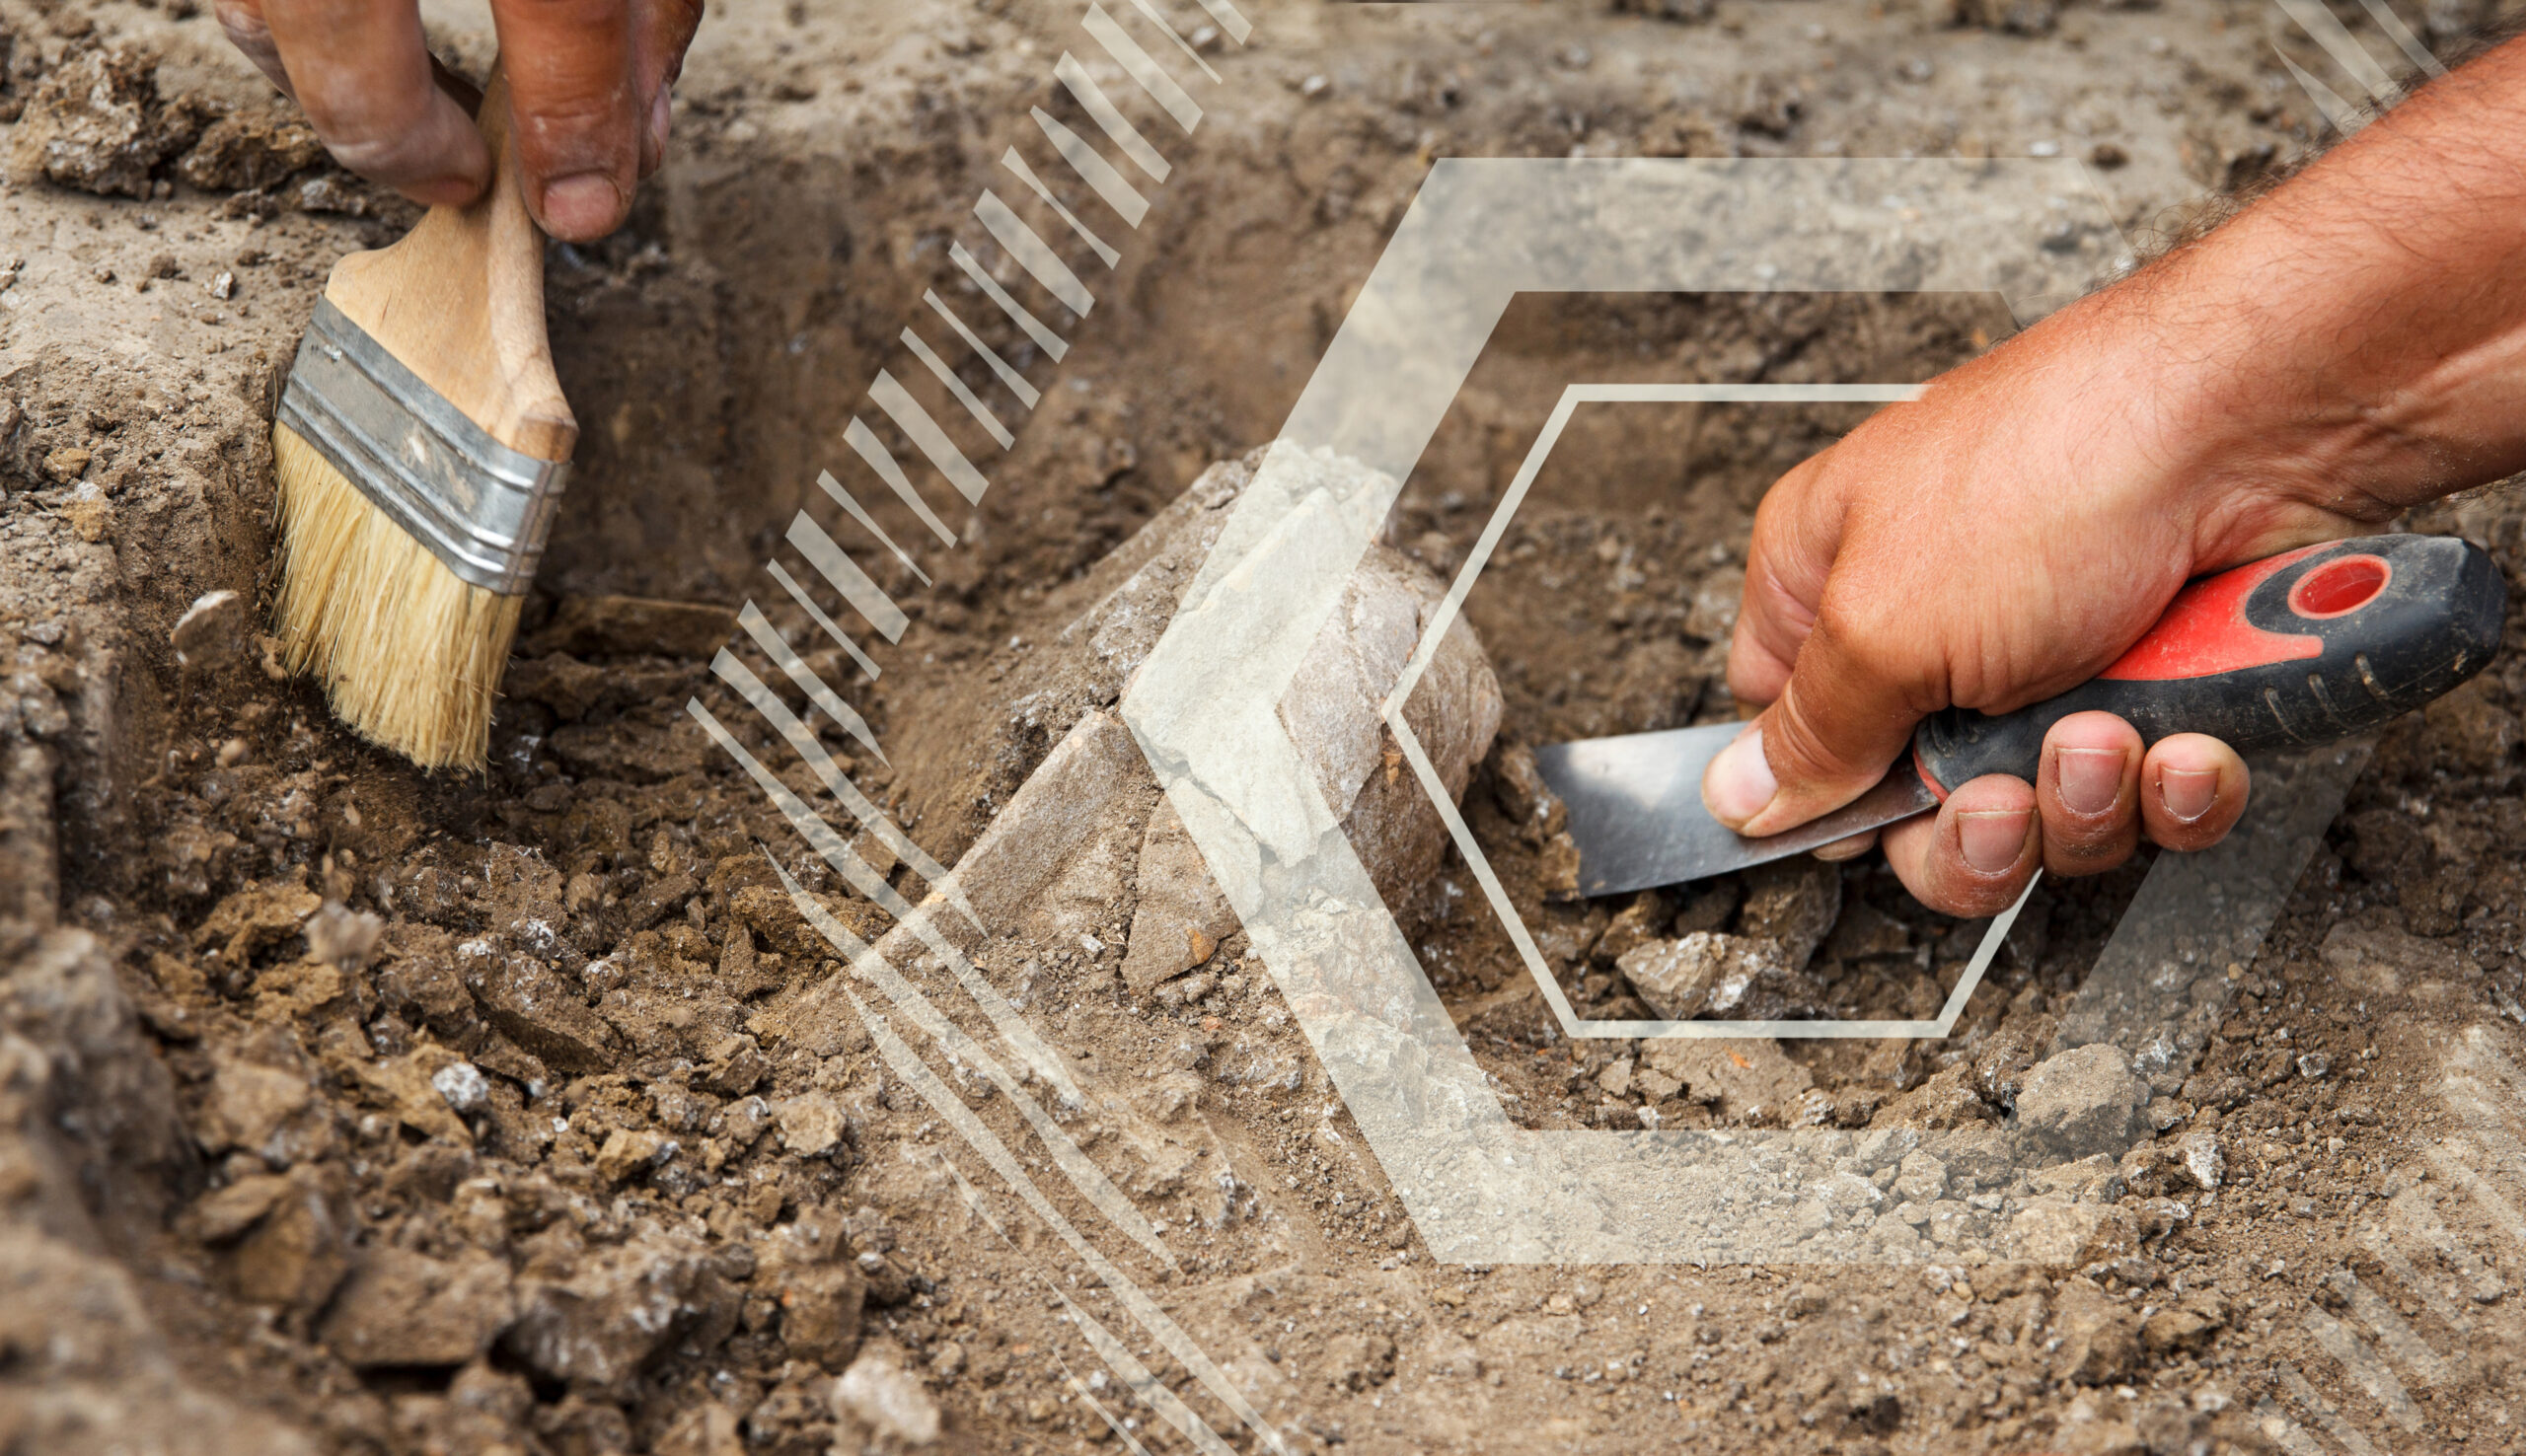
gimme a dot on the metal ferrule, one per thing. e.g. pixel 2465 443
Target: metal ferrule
pixel 479 506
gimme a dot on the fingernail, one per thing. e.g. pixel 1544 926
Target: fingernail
pixel 1850 848
pixel 1993 838
pixel 581 206
pixel 2091 779
pixel 2188 793
pixel 660 112
pixel 1740 781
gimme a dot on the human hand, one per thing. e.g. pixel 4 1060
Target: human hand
pixel 588 83
pixel 1998 541
pixel 2350 346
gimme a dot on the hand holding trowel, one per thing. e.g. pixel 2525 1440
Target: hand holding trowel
pixel 2020 537
pixel 2306 647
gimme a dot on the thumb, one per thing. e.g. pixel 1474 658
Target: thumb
pixel 577 123
pixel 1843 717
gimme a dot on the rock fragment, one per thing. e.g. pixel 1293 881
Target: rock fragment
pixel 247 151
pixel 1920 1178
pixel 2186 1329
pixel 599 1324
pixel 736 1066
pixel 1792 903
pixel 887 1400
pixel 2203 1160
pixel 770 913
pixel 257 918
pixel 628 1152
pixel 1675 977
pixel 1182 915
pixel 661 897
pixel 821 1289
pixel 525 1001
pixel 1635 924
pixel 403 1309
pixel 2082 1100
pixel 297 1253
pixel 2055 1231
pixel 97 124
pixel 261 1109
pixel 1710 974
pixel 463 1086
pixel 213 631
pixel 812 1123
pixel 2100 1335
pixel 1540 817
pixel 408 1084
pixel 820 1308
pixel 2378 961
pixel 705 1429
pixel 226 1214
pixel 2474 729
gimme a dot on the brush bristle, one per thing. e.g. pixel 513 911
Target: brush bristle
pixel 409 654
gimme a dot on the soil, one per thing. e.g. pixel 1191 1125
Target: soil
pixel 345 1107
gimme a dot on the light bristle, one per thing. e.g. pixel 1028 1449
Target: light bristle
pixel 409 654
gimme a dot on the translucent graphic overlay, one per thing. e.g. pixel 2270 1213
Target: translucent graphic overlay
pixel 1480 1188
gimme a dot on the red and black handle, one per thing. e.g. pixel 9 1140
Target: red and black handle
pixel 2303 648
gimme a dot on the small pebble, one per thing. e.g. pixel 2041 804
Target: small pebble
pixel 463 1086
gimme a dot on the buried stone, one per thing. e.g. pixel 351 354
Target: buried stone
pixel 1332 714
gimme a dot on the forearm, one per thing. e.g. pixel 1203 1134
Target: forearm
pixel 2356 340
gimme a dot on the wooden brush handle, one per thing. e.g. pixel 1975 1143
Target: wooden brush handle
pixel 459 300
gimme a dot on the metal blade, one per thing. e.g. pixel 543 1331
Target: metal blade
pixel 1637 817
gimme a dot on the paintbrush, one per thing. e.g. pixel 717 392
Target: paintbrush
pixel 421 447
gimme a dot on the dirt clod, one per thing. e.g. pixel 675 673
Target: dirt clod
pixel 1793 904
pixel 596 1318
pixel 2100 1335
pixel 97 124
pixel 2081 1100
pixel 403 1309
pixel 251 151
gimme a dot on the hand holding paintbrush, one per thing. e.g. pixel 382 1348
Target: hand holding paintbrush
pixel 421 445
pixel 588 97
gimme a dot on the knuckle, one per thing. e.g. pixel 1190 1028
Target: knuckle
pixel 574 111
pixel 556 20
pixel 387 152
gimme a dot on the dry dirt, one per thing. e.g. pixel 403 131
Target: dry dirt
pixel 344 1108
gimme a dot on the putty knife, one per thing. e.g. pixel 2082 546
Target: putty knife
pixel 2294 650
